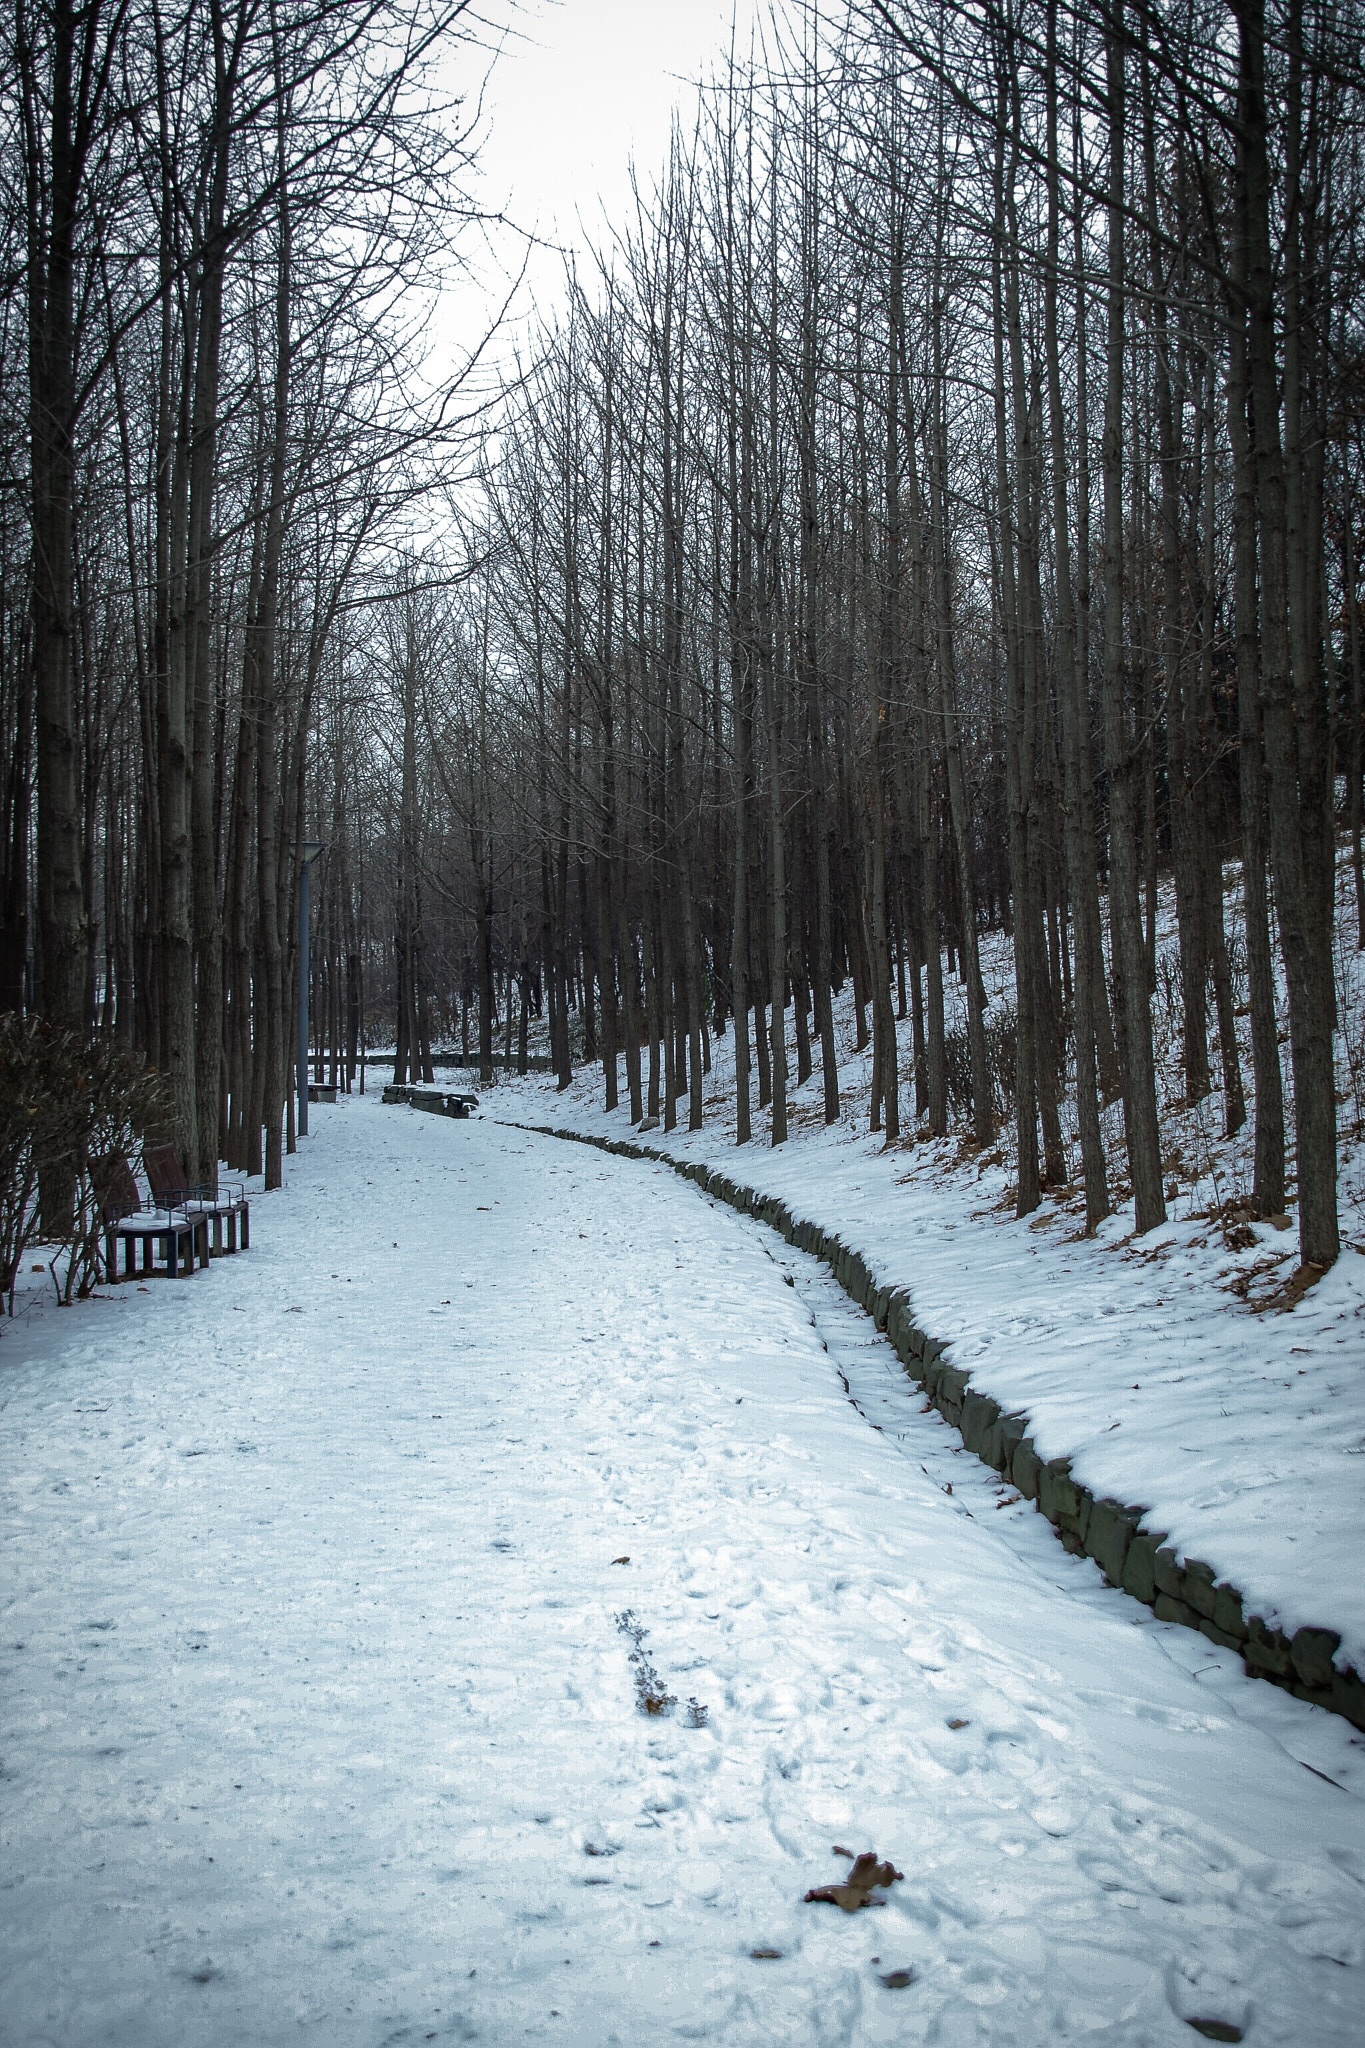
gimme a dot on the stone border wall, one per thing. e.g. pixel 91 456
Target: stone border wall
pixel 1131 1555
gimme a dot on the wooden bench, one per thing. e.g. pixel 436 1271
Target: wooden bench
pixel 321 1091
pixel 181 1235
pixel 225 1210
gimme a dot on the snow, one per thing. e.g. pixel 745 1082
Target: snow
pixel 320 1721
pixel 1161 1365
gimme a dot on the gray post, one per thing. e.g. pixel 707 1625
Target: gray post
pixel 304 866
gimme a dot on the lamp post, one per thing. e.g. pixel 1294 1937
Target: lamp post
pixel 308 853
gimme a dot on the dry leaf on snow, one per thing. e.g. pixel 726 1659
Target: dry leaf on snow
pixel 866 1876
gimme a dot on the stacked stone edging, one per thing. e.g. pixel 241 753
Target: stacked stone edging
pixel 1131 1556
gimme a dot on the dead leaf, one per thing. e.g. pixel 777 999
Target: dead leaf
pixel 866 1876
pixel 957 1722
pixel 620 1560
pixel 897 1980
pixel 1298 1284
pixel 766 1955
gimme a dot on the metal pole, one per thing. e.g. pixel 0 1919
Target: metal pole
pixel 303 998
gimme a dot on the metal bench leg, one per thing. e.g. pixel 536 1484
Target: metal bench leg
pixel 246 1230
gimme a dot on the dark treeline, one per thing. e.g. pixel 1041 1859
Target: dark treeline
pixel 939 514
pixel 224 223
pixel 942 512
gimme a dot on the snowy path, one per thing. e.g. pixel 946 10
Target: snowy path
pixel 319 1719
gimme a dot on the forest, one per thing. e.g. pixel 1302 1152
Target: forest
pixel 936 514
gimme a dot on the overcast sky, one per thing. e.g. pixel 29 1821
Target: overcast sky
pixel 577 89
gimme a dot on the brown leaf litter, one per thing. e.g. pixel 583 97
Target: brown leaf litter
pixel 866 1876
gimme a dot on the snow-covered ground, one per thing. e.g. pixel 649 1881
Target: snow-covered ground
pixel 1163 1365
pixel 320 1716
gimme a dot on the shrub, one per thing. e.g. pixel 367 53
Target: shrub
pixel 957 1057
pixel 69 1112
pixel 33 1113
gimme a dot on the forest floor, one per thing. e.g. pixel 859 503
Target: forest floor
pixel 1176 1369
pixel 489 1633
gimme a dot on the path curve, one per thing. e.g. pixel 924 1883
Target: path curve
pixel 324 1725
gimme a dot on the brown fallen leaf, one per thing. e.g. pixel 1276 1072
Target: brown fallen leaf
pixel 766 1955
pixel 620 1560
pixel 958 1722
pixel 866 1876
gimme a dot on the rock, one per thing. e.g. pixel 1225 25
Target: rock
pixel 1108 1535
pixel 1198 1589
pixel 1311 1651
pixel 1227 1613
pixel 1218 1635
pixel 1139 1567
pixel 1168 1609
pixel 952 1388
pixel 1348 1696
pixel 648 1123
pixel 1266 1651
pixel 1025 1468
pixel 1057 1495
pixel 1170 1577
pixel 999 1443
pixel 979 1413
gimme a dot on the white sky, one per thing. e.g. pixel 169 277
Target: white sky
pixel 578 87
